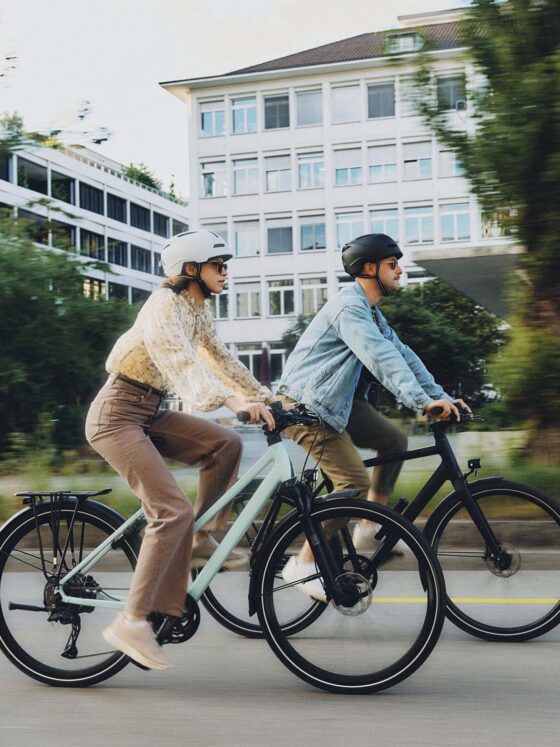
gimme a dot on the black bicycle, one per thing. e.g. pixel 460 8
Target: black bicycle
pixel 497 542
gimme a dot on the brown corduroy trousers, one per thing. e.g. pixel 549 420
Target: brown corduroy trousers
pixel 120 425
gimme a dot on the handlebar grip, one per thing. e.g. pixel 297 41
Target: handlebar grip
pixel 243 416
pixel 435 411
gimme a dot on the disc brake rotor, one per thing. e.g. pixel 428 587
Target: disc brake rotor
pixel 514 563
pixel 357 593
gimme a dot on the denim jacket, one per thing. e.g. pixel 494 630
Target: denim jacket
pixel 323 370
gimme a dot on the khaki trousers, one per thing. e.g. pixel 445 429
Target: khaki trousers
pixel 339 458
pixel 120 425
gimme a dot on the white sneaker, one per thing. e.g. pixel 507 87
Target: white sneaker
pixel 363 538
pixel 294 570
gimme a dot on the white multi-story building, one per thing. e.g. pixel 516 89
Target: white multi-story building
pixel 78 200
pixel 291 158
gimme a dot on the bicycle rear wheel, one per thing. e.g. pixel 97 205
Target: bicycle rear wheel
pixel 521 600
pixel 67 649
pixel 392 617
pixel 227 597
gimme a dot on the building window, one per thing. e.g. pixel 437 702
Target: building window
pixel 419 225
pixel 212 118
pixel 346 104
pixel 278 173
pixel 94 288
pixel 313 294
pixel 245 176
pixel 250 354
pixel 311 170
pixel 219 304
pixel 36 226
pixel 118 291
pixel 348 226
pixel 248 300
pixel 5 167
pixel 117 252
pixel 247 238
pixel 140 259
pixel 312 234
pixel 161 224
pixel 276 112
pixel 63 188
pixel 309 108
pixel 32 176
pixel 277 362
pixel 116 208
pixel 91 198
pixel 279 238
pixel 219 228
pixel 451 92
pixel 92 244
pixel 214 179
pixel 139 295
pixel 417 161
pixel 244 114
pixel 139 217
pixel 63 235
pixel 385 221
pixel 409 96
pixel 410 42
pixel 280 297
pixel 381 100
pixel 382 163
pixel 449 164
pixel 158 269
pixel 348 166
pixel 343 280
pixel 178 227
pixel 455 222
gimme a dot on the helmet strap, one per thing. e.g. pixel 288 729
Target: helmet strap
pixel 376 278
pixel 205 289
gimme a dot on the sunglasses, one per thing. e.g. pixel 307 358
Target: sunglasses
pixel 220 266
pixel 392 263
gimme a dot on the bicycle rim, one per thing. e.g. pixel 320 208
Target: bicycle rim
pixel 380 639
pixel 521 600
pixel 32 642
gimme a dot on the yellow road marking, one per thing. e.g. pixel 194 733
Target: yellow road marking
pixel 466 600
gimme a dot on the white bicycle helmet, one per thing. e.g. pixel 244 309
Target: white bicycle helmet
pixel 192 246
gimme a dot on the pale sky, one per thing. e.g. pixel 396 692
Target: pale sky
pixel 114 53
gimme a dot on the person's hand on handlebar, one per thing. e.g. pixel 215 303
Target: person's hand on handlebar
pixel 258 411
pixel 446 410
pixel 462 403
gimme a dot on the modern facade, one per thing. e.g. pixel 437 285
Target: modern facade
pixel 77 200
pixel 292 157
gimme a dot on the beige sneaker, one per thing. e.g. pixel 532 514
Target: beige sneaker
pixel 205 548
pixel 363 538
pixel 136 640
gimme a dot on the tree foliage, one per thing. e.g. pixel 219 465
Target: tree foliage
pixel 511 157
pixel 143 174
pixel 451 334
pixel 54 340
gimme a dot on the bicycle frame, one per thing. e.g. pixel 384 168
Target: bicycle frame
pixel 281 470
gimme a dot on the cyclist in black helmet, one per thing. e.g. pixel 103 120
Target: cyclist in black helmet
pixel 346 345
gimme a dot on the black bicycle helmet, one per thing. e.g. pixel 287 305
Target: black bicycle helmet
pixel 373 247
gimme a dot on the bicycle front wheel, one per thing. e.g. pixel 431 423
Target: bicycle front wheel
pixel 392 614
pixel 56 643
pixel 518 598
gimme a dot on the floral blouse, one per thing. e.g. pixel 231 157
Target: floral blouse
pixel 173 346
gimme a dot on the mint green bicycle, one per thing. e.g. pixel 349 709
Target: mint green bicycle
pixel 66 561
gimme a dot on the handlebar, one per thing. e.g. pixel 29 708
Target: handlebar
pixel 283 419
pixel 465 415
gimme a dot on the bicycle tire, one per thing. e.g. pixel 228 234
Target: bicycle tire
pixel 29 641
pixel 514 604
pixel 227 597
pixel 380 645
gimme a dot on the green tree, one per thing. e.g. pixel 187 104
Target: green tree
pixel 511 156
pixel 143 174
pixel 453 335
pixel 54 340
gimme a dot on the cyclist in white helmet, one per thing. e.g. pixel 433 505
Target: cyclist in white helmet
pixel 172 347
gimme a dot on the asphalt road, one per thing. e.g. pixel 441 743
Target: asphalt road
pixel 226 690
